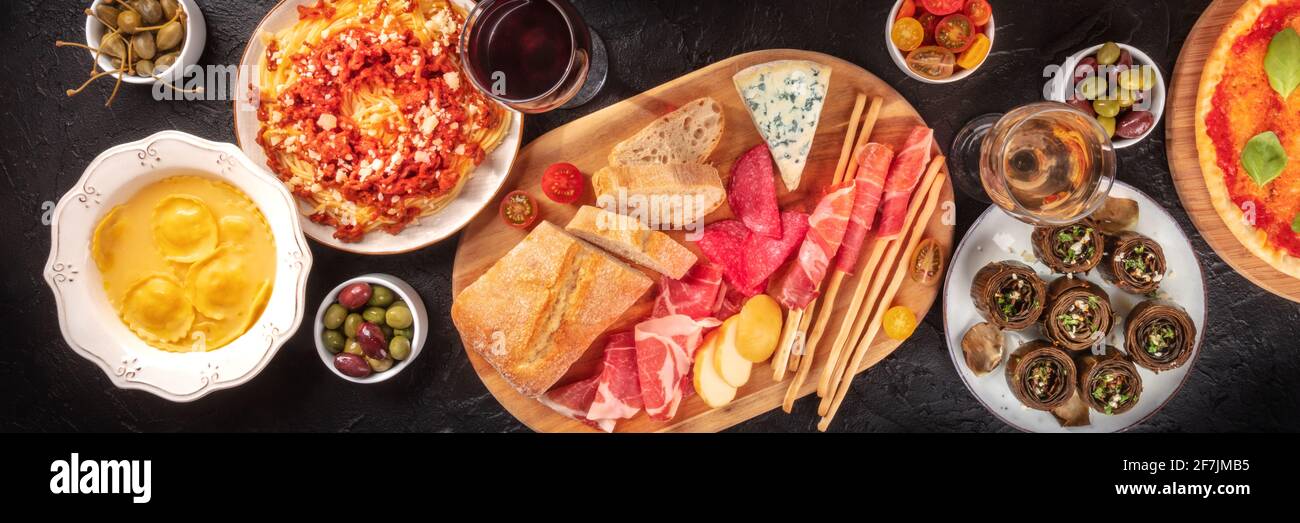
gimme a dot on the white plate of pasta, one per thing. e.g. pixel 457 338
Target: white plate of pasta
pixel 361 109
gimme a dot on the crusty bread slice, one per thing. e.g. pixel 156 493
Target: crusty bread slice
pixel 535 312
pixel 687 135
pixel 669 189
pixel 631 240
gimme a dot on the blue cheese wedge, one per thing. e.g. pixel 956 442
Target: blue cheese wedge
pixel 785 101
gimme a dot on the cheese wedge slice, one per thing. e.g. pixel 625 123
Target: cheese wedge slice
pixel 785 101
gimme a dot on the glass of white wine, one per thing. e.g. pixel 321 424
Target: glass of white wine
pixel 1045 163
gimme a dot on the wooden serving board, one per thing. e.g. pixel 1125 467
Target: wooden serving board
pixel 1184 163
pixel 586 143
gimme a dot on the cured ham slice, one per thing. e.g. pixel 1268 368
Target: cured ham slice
pixel 730 304
pixel 618 391
pixel 665 351
pixel 751 192
pixel 748 259
pixel 902 179
pixel 873 164
pixel 574 399
pixel 826 227
pixel 695 295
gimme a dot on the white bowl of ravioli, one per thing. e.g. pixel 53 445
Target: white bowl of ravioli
pixel 177 265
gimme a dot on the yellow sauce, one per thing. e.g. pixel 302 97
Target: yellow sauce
pixel 187 262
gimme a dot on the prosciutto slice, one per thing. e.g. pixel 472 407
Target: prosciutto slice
pixel 903 177
pixel 826 228
pixel 873 164
pixel 695 295
pixel 574 399
pixel 618 391
pixel 751 192
pixel 665 351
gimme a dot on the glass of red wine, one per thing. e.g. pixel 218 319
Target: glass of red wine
pixel 532 55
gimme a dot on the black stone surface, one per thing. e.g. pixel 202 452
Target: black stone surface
pixel 1246 379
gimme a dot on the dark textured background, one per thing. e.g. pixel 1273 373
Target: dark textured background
pixel 1245 379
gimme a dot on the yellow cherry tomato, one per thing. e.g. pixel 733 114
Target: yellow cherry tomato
pixel 971 58
pixel 907 34
pixel 899 322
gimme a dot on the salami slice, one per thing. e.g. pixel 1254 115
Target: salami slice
pixel 765 255
pixel 751 192
pixel 723 243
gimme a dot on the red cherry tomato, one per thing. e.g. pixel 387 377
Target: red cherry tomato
pixel 979 11
pixel 562 183
pixel 955 33
pixel 907 10
pixel 928 21
pixel 941 7
pixel 519 210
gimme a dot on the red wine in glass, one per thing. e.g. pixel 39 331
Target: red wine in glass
pixel 531 55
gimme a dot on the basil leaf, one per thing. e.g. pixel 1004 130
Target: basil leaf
pixel 1295 224
pixel 1264 158
pixel 1282 63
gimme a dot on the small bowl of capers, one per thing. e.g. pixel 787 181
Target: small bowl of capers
pixel 143 41
pixel 370 327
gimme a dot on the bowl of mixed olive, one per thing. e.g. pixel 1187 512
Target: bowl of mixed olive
pixel 141 41
pixel 371 327
pixel 1117 84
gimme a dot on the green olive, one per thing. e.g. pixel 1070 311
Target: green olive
pixel 409 333
pixel 351 324
pixel 144 68
pixel 170 7
pixel 380 297
pixel 165 62
pixel 112 45
pixel 151 11
pixel 170 35
pixel 1109 53
pixel 107 15
pixel 373 315
pixel 1125 98
pixel 1106 108
pixel 380 365
pixel 333 340
pixel 334 316
pixel 1108 124
pixel 399 317
pixel 353 347
pixel 128 21
pixel 1138 78
pixel 1092 87
pixel 143 47
pixel 399 348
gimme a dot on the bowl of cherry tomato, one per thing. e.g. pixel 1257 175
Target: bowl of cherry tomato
pixel 1117 84
pixel 939 41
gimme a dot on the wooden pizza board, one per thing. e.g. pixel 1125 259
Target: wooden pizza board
pixel 586 144
pixel 1184 162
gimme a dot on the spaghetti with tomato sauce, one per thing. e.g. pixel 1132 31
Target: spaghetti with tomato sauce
pixel 366 114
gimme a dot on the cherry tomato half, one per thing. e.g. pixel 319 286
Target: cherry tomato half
pixel 941 7
pixel 955 33
pixel 562 183
pixel 928 21
pixel 933 62
pixel 907 34
pixel 975 54
pixel 907 10
pixel 519 210
pixel 979 11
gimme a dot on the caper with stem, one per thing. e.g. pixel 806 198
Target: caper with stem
pixel 144 68
pixel 170 7
pixel 164 62
pixel 169 35
pixel 150 10
pixel 128 21
pixel 107 15
pixel 112 45
pixel 143 45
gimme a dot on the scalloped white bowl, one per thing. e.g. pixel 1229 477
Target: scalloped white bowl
pixel 91 325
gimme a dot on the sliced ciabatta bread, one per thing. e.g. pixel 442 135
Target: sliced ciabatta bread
pixel 668 196
pixel 687 135
pixel 535 312
pixel 631 240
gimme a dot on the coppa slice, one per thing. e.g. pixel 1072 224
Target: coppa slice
pixel 664 351
pixel 751 192
pixel 785 101
pixel 574 399
pixel 825 232
pixel 618 391
pixel 903 176
pixel 695 295
pixel 873 165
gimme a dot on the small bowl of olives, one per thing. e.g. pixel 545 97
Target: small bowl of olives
pixel 370 327
pixel 163 37
pixel 1119 85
